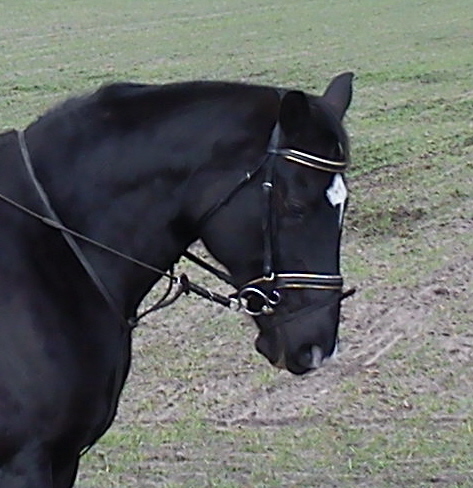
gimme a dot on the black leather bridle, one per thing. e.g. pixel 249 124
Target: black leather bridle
pixel 265 290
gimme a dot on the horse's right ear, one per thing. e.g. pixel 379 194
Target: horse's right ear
pixel 294 112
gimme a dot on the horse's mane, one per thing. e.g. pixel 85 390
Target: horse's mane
pixel 133 102
pixel 188 90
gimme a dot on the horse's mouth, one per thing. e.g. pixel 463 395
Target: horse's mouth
pixel 281 362
pixel 309 358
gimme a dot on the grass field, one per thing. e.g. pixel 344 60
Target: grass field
pixel 201 408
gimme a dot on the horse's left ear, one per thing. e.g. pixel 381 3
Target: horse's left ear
pixel 293 112
pixel 338 93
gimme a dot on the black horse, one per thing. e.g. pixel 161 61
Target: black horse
pixel 133 174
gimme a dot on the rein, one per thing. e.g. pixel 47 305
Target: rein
pixel 182 283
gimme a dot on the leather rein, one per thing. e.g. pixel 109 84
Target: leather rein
pixel 179 285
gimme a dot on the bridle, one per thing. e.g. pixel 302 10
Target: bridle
pixel 240 300
pixel 266 288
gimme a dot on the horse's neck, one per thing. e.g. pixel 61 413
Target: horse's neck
pixel 132 192
pixel 120 195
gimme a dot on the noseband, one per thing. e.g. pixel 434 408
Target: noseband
pixel 266 289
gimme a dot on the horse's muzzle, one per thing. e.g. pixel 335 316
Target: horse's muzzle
pixel 300 342
pixel 305 359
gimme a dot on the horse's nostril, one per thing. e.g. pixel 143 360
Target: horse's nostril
pixel 317 357
pixel 336 350
pixel 305 356
pixel 310 357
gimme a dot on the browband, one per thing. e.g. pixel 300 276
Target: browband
pixel 311 161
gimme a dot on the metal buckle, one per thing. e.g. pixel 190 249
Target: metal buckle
pixel 270 301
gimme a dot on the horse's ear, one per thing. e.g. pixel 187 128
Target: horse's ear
pixel 338 93
pixel 293 112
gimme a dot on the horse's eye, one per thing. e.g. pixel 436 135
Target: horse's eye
pixel 296 210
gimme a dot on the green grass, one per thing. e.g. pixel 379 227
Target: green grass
pixel 412 60
pixel 389 450
pixel 403 422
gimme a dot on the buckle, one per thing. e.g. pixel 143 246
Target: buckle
pixel 270 300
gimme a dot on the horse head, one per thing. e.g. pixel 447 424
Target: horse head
pixel 278 229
